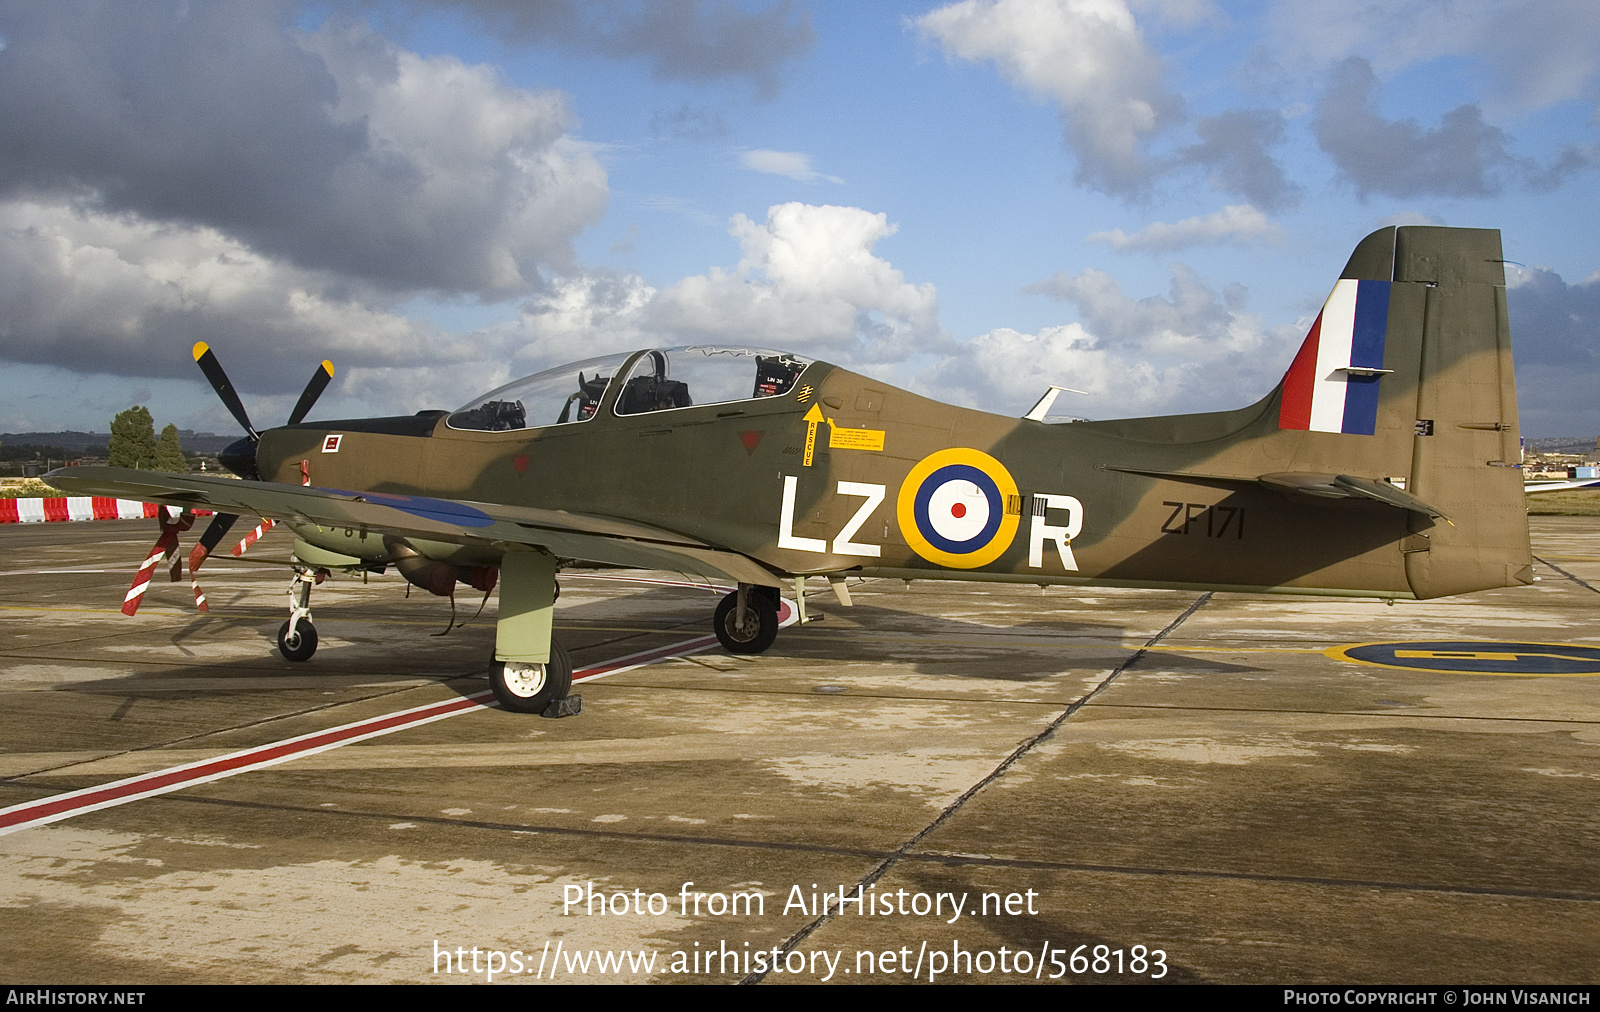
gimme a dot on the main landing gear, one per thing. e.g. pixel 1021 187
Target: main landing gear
pixel 746 621
pixel 532 687
pixel 530 673
pixel 297 638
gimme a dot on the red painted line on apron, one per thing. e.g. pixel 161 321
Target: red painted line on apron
pixel 64 806
pixel 120 792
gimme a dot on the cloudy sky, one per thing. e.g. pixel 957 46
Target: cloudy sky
pixel 1144 199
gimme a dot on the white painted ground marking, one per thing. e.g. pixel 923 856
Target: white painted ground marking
pixel 175 778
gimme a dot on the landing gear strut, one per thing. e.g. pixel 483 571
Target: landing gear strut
pixel 746 621
pixel 297 638
pixel 531 673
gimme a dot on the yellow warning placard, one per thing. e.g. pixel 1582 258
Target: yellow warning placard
pixel 854 439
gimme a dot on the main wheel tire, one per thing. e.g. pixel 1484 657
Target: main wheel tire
pixel 299 646
pixel 526 687
pixel 760 627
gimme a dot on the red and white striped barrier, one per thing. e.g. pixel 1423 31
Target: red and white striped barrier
pixel 54 509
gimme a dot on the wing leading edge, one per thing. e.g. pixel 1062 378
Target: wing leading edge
pixel 598 539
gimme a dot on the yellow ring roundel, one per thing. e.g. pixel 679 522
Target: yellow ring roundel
pixel 952 508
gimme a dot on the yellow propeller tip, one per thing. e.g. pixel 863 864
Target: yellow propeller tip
pixel 328 366
pixel 200 348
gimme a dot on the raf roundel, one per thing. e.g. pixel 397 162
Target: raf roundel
pixel 952 508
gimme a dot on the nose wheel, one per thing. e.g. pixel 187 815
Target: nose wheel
pixel 297 641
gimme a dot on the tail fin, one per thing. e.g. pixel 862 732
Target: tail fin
pixel 1413 350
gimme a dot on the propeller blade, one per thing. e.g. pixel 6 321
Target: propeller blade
pixel 319 383
pixel 207 360
pixel 214 533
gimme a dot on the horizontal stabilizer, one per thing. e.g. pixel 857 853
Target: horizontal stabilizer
pixel 1321 486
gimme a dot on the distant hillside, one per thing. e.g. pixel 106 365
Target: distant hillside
pixel 95 443
pixel 1582 445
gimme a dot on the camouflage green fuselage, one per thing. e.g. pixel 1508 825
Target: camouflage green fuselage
pixel 844 474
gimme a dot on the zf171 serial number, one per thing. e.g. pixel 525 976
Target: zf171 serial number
pixel 1208 519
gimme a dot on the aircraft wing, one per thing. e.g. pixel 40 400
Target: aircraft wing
pixel 591 538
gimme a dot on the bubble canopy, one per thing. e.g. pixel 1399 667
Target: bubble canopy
pixel 658 380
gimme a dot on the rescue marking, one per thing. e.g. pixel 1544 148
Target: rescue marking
pixel 175 778
pixel 840 437
pixel 1476 657
pixel 812 418
pixel 330 444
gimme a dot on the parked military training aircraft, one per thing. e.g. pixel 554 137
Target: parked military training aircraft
pixel 1384 465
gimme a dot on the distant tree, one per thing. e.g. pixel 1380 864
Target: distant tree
pixel 133 439
pixel 169 455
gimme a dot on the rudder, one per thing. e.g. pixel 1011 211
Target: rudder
pixel 1446 374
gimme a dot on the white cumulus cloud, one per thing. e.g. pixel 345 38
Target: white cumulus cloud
pixel 794 164
pixel 1089 58
pixel 1194 349
pixel 1239 224
pixel 807 280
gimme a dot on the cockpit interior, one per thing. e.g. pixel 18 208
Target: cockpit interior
pixel 656 380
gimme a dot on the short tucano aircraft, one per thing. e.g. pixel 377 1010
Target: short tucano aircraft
pixel 1385 464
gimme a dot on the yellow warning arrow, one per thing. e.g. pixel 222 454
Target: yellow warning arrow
pixel 812 418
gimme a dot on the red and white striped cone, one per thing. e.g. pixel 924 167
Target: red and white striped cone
pixel 196 557
pixel 147 569
pixel 251 538
pixel 166 548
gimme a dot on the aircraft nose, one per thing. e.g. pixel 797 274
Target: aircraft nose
pixel 240 458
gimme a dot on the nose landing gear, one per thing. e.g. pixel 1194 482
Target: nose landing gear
pixel 297 638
